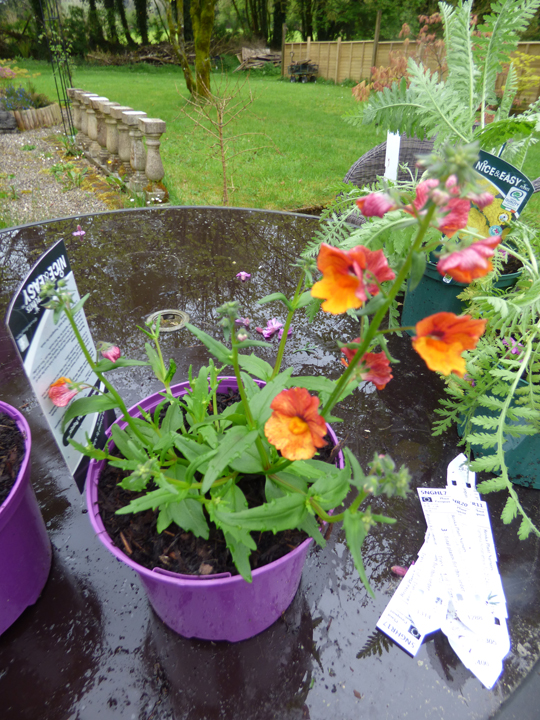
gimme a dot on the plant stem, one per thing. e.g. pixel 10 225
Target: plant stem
pixel 379 315
pixel 127 417
pixel 288 321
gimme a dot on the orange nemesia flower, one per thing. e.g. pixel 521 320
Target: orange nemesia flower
pixel 347 275
pixel 295 427
pixel 60 392
pixel 441 338
pixel 373 367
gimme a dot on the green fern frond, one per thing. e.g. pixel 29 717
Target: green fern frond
pixel 499 36
pixel 487 463
pixel 525 529
pixel 510 511
pixel 462 71
pixel 393 109
pixel 510 90
pixel 485 440
pixel 492 485
pixel 497 133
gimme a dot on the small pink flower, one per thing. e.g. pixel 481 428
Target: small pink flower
pixel 452 185
pixel 62 392
pixel 112 353
pixel 440 197
pixel 280 334
pixel 398 570
pixel 375 204
pixel 243 321
pixel 243 276
pixel 272 327
pixel 423 192
pixel 481 200
pixel 242 336
pixel 79 232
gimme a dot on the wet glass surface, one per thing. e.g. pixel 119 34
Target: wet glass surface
pixel 91 646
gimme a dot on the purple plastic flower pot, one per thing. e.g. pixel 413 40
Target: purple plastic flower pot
pixel 211 607
pixel 25 548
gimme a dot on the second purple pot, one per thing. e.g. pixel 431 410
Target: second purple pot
pixel 211 607
pixel 25 548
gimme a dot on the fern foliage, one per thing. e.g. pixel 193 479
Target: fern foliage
pixel 447 110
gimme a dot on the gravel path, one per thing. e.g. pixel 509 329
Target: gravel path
pixel 30 192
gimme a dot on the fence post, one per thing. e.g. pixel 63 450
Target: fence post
pixel 338 48
pixel 308 49
pixel 376 41
pixel 283 36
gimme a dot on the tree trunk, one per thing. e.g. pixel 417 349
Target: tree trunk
pixel 123 19
pixel 280 13
pixel 96 34
pixel 202 18
pixel 175 20
pixel 141 13
pixel 111 20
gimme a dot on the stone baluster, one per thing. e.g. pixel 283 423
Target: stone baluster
pixel 153 129
pixel 95 148
pixel 75 106
pixel 103 113
pixel 93 125
pixel 85 105
pixel 124 141
pixel 138 180
pixel 112 122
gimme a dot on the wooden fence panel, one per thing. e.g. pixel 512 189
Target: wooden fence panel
pixel 341 60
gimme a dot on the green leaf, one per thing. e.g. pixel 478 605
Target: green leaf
pixel 313 529
pixel 219 351
pixel 75 309
pixel 358 477
pixel 260 406
pixel 313 308
pixel 189 515
pixel 252 343
pixel 491 485
pixel 256 366
pixel 371 307
pixel 330 491
pixel 189 448
pixel 231 446
pixel 130 449
pixel 509 512
pixel 173 419
pixel 105 365
pixel 198 462
pixel 170 372
pixel 276 296
pixel 248 463
pixel 86 406
pixel 89 451
pixel 155 362
pixel 525 529
pixel 240 551
pixel 164 518
pixel 282 514
pixel 355 533
pixel 304 299
pixel 417 269
pixel 150 501
pixel 487 463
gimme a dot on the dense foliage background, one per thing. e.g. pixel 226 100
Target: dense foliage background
pixel 121 25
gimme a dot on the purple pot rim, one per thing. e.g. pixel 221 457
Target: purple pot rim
pixel 94 471
pixel 23 474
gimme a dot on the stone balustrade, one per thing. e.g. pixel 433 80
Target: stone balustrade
pixel 120 140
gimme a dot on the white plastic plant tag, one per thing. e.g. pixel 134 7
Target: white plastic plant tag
pixel 396 620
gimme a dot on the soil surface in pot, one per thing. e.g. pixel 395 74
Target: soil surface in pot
pixel 182 552
pixel 12 450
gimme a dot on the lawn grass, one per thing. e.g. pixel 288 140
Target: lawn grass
pixel 310 146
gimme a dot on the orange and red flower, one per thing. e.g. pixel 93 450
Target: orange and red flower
pixel 441 338
pixel 295 427
pixel 470 263
pixel 347 275
pixel 61 392
pixel 373 367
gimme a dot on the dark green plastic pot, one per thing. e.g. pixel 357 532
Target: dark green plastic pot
pixel 521 454
pixel 435 294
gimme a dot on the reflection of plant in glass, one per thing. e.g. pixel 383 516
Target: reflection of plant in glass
pixel 189 458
